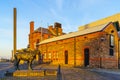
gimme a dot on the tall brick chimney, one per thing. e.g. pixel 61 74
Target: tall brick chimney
pixel 31 27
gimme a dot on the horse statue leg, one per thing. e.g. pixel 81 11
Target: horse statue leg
pixel 18 64
pixel 15 64
pixel 29 65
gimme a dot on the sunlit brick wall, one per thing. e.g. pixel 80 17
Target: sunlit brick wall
pixel 75 46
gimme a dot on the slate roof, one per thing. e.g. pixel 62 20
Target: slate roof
pixel 44 30
pixel 86 30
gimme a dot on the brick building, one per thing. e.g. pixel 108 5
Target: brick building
pixel 41 33
pixel 93 46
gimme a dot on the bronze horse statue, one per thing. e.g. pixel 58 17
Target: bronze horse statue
pixel 28 56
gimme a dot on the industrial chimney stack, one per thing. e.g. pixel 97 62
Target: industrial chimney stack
pixel 14 32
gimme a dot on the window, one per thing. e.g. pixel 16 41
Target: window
pixel 37 41
pixel 49 56
pixel 56 55
pixel 58 33
pixel 34 45
pixel 41 56
pixel 48 36
pixel 111 41
pixel 111 52
pixel 44 55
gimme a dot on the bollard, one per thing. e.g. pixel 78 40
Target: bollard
pixel 44 72
pixel 59 75
pixel 59 71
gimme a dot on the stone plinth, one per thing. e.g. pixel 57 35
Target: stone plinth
pixel 29 73
pixel 50 72
pixel 44 72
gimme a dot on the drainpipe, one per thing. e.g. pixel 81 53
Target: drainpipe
pixel 74 52
pixel 118 53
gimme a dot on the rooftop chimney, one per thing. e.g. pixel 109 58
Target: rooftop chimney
pixel 57 25
pixel 58 28
pixel 31 27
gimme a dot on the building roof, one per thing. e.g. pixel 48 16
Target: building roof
pixel 43 30
pixel 86 30
pixel 113 18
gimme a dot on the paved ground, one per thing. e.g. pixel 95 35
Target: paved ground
pixel 87 74
pixel 68 73
pixel 10 67
pixel 5 67
pixel 109 74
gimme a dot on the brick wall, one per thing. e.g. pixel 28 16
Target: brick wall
pixel 97 43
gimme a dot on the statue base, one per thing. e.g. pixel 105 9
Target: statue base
pixel 37 73
pixel 27 73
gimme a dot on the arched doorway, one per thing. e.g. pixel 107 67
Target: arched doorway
pixel 86 57
pixel 66 57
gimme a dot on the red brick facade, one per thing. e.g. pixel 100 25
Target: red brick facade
pixel 88 48
pixel 91 50
pixel 41 33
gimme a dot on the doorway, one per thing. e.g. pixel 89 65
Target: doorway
pixel 86 57
pixel 66 57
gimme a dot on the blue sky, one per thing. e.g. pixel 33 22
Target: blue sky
pixel 71 13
